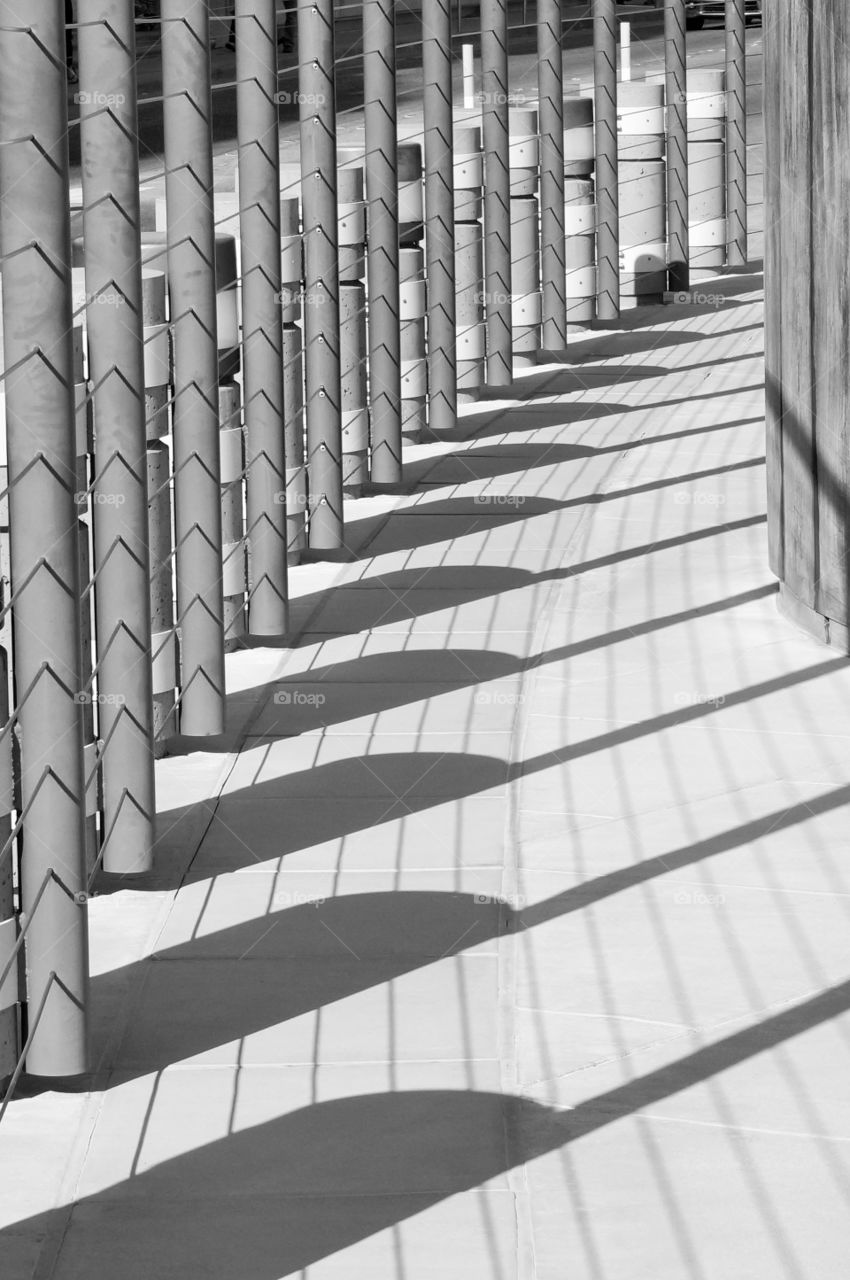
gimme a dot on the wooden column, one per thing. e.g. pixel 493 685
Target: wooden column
pixel 807 280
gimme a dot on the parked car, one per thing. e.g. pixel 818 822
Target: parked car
pixel 698 10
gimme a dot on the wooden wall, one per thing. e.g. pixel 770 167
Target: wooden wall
pixel 807 283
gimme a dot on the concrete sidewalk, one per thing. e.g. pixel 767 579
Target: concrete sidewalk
pixel 505 934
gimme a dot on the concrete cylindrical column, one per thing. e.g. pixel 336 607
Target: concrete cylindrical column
pixel 736 133
pixel 607 160
pixel 526 308
pixel 707 172
pixel 412 308
pixel 317 121
pixel 411 228
pixel 291 273
pixel 642 193
pixel 497 190
pixel 469 263
pixel 412 292
pixel 194 307
pixel 807 312
pixel 579 211
pixel 158 380
pixel 352 365
pixel 233 543
pixel 580 224
pixel 164 655
pixel 439 237
pixel 353 345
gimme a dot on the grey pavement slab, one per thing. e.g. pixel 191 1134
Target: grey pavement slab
pixel 504 932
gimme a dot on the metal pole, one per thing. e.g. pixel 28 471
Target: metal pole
pixel 379 75
pixel 187 119
pixel 497 191
pixel 675 58
pixel 262 329
pixel 550 122
pixel 42 461
pixel 607 167
pixel 317 114
pixel 439 215
pixel 114 320
pixel 736 132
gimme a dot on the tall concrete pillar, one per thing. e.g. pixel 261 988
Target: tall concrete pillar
pixel 807 282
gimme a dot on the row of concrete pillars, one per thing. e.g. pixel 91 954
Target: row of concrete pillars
pixel 188 428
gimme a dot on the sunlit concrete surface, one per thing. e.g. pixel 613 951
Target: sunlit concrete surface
pixel 505 931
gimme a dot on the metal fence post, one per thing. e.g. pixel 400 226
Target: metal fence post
pixel 42 461
pixel 439 215
pixel 550 122
pixel 379 77
pixel 187 119
pixel 317 116
pixel 262 328
pixel 736 132
pixel 114 321
pixel 497 191
pixel 607 167
pixel 675 57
